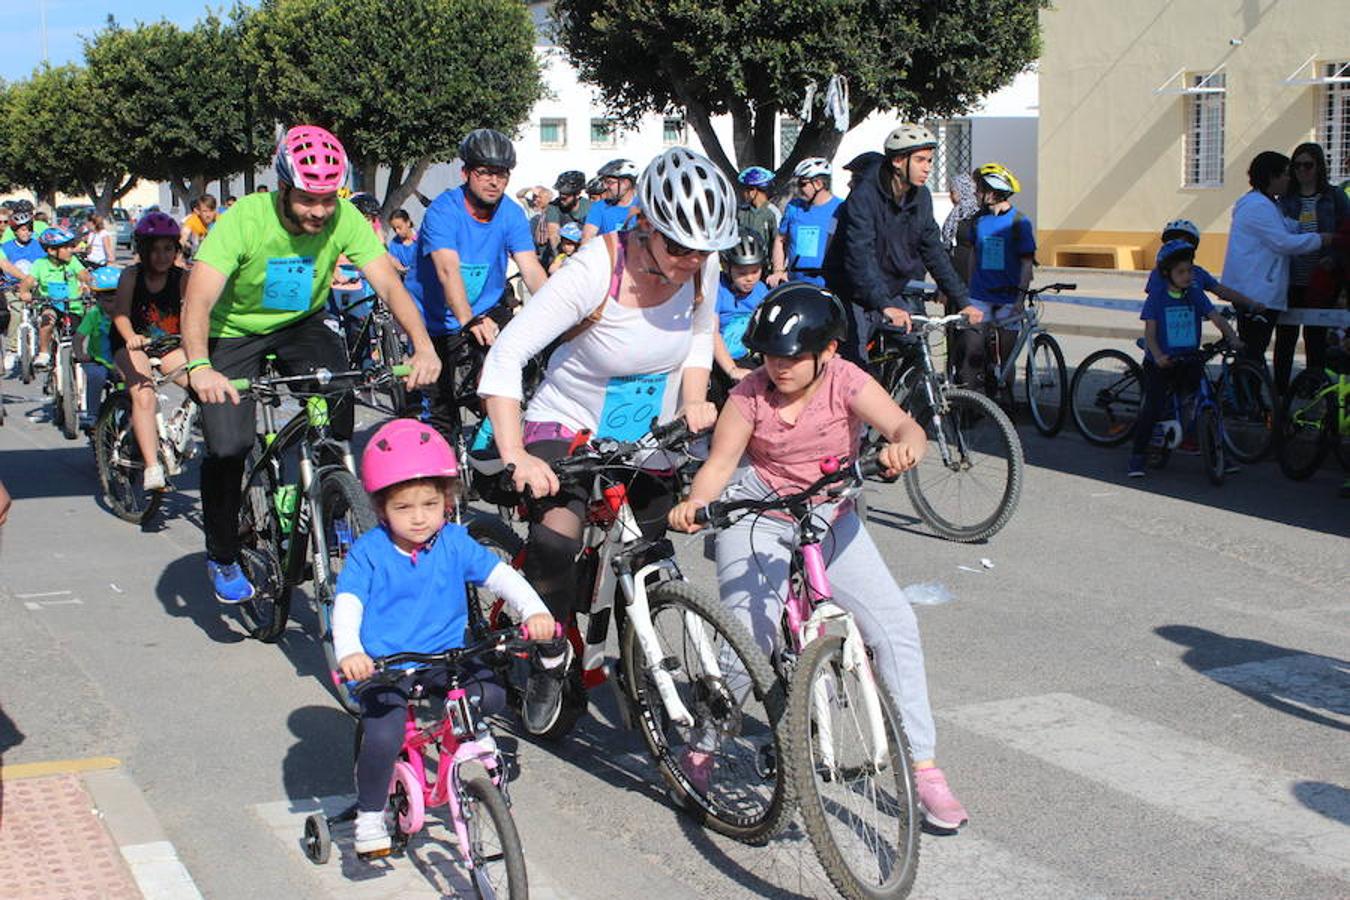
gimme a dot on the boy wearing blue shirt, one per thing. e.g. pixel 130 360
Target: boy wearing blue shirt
pixel 1172 317
pixel 739 293
pixel 807 226
pixel 620 179
pixel 1003 254
pixel 1188 231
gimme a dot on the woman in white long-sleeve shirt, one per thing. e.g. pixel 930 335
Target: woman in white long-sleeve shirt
pixel 1261 242
pixel 637 317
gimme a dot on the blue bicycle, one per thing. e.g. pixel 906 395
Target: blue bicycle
pixel 1199 415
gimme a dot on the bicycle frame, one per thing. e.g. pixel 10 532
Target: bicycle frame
pixel 1030 326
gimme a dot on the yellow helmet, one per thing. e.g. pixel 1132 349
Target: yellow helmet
pixel 997 177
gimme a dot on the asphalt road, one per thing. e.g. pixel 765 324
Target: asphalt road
pixel 1147 695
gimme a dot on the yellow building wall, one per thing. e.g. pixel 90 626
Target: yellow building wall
pixel 1111 150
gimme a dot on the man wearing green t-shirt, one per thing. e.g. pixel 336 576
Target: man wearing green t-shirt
pixel 259 286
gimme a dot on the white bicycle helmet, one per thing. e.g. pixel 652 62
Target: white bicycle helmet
pixel 689 200
pixel 814 167
pixel 908 137
pixel 1184 226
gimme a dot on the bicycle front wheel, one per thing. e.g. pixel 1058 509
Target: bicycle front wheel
pixel 120 467
pixel 1306 427
pixel 1047 385
pixel 70 401
pixel 968 483
pixel 27 351
pixel 496 857
pixel 1211 446
pixel 391 354
pixel 858 801
pixel 1105 396
pixel 1247 404
pixel 345 514
pixel 723 767
pixel 260 537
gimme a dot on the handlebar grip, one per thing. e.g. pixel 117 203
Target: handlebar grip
pixel 870 467
pixel 402 370
pixel 672 429
pixel 702 516
pixel 1069 287
pixel 241 384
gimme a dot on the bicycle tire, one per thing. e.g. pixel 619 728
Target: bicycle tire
pixel 920 481
pixel 114 441
pixel 800 762
pixel 266 613
pixel 341 498
pixel 479 790
pixel 701 697
pixel 1248 406
pixel 499 537
pixel 1303 447
pixel 391 354
pixel 1113 395
pixel 70 404
pixel 27 352
pixel 1211 444
pixel 1047 422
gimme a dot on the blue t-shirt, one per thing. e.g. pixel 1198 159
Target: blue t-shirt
pixel 1203 280
pixel 808 229
pixel 607 216
pixel 414 604
pixel 483 248
pixel 406 254
pixel 21 256
pixel 1000 241
pixel 1179 318
pixel 733 314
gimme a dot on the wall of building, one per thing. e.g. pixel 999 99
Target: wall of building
pixel 1112 150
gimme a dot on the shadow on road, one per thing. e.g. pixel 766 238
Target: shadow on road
pixel 185 593
pixel 1306 686
pixel 1331 800
pixel 320 762
pixel 66 471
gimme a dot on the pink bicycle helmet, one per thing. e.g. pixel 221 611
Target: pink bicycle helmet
pixel 311 159
pixel 405 449
pixel 157 225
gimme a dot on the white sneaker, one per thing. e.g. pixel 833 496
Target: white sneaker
pixel 372 836
pixel 42 360
pixel 154 478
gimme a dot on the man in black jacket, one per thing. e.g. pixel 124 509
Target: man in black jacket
pixel 887 237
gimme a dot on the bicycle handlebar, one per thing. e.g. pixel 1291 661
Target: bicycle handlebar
pixel 395 666
pixel 717 512
pixel 322 377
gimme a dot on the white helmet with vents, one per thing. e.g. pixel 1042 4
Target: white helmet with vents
pixel 689 200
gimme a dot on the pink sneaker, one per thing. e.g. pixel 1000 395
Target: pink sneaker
pixel 940 807
pixel 697 766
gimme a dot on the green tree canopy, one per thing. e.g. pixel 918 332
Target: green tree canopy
pixel 59 139
pixel 182 101
pixel 753 59
pixel 400 84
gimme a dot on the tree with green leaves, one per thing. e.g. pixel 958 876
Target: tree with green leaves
pixel 183 100
pixel 59 140
pixel 753 60
pixel 399 84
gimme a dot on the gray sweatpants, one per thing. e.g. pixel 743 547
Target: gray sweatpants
pixel 753 558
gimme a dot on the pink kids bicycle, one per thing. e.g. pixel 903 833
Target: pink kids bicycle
pixel 470 779
pixel 845 754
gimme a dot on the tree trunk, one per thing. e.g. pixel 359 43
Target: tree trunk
pixel 398 192
pixel 764 136
pixel 178 193
pixel 223 185
pixel 395 177
pixel 367 171
pixel 249 185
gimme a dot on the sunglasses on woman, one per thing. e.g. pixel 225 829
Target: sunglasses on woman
pixel 680 250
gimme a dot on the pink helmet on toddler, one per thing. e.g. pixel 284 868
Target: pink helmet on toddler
pixel 311 159
pixel 402 450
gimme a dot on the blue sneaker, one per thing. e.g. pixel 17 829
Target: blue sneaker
pixel 229 582
pixel 1136 467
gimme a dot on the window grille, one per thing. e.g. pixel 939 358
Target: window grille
pixel 1204 131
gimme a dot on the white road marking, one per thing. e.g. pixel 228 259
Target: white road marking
pixel 1186 777
pixel 42 594
pixel 39 605
pixel 159 873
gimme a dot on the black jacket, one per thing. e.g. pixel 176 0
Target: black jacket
pixel 881 245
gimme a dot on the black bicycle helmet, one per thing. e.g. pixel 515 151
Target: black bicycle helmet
pixel 864 161
pixel 486 147
pixel 595 186
pixel 796 318
pixel 366 204
pixel 749 251
pixel 570 182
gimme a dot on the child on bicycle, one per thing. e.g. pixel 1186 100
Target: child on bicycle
pixel 146 308
pixel 1188 231
pixel 569 239
pixel 401 590
pixel 1002 254
pixel 803 405
pixel 54 281
pixel 1172 317
pixel 739 293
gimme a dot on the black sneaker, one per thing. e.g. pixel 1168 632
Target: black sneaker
pixel 544 693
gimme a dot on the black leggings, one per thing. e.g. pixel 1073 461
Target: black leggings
pixel 383 714
pixel 1182 378
pixel 972 353
pixel 461 357
pixel 551 558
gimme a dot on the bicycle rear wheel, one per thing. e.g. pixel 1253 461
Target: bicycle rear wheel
pixel 1247 404
pixel 863 818
pixel 1211 446
pixel 345 514
pixel 69 387
pixel 496 857
pixel 1047 385
pixel 971 492
pixel 260 535
pixel 1306 428
pixel 1105 396
pixel 120 467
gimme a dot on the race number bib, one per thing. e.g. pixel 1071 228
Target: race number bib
pixel 808 242
pixel 475 276
pixel 1180 323
pixel 289 283
pixel 992 253
pixel 631 402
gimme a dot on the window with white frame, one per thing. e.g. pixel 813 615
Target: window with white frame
pixel 1204 130
pixel 553 133
pixel 604 133
pixel 1333 124
pixel 952 156
pixel 673 131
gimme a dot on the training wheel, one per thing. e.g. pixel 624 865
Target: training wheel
pixel 318 842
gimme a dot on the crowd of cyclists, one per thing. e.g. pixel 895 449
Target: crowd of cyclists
pixel 665 287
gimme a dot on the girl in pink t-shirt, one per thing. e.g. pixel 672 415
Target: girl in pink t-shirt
pixel 803 405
